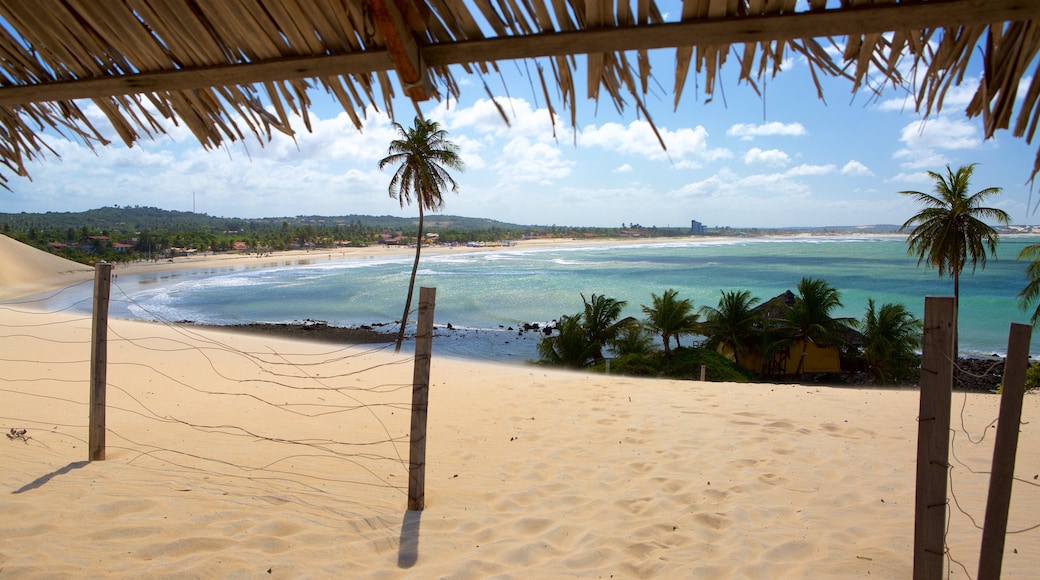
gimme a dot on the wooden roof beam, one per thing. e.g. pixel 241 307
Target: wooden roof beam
pixel 835 22
pixel 404 51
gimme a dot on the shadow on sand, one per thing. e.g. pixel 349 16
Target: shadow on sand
pixel 39 481
pixel 408 552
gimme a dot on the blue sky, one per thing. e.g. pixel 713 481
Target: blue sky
pixel 741 159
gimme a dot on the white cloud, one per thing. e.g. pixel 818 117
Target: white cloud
pixel 523 161
pixel 747 131
pixel 856 168
pixel 911 178
pixel 687 147
pixel 775 157
pixel 925 141
pixel 624 168
pixel 924 159
pixel 483 118
pixel 806 169
pixel 941 133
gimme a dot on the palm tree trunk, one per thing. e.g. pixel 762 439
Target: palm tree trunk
pixel 411 283
pixel 801 359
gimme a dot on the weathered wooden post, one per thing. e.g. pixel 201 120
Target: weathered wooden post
pixel 933 437
pixel 99 362
pixel 991 557
pixel 420 400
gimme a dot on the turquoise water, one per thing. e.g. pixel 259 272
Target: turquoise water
pixel 483 294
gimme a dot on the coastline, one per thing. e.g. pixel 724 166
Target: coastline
pixel 238 455
pixel 981 374
pixel 78 273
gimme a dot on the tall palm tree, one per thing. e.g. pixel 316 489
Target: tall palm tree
pixel 670 317
pixel 949 232
pixel 891 336
pixel 423 155
pixel 732 324
pixel 601 322
pixel 1031 292
pixel 809 318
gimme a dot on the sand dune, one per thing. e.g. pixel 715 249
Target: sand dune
pixel 250 456
pixel 24 269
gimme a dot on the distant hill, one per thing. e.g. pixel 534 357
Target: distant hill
pixel 150 218
pixel 137 219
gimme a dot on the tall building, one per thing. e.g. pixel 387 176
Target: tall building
pixel 697 228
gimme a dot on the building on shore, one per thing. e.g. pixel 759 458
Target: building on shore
pixel 697 228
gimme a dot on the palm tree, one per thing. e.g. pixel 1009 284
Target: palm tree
pixel 633 340
pixel 891 336
pixel 601 322
pixel 949 232
pixel 568 346
pixel 670 317
pixel 423 155
pixel 580 338
pixel 732 324
pixel 809 318
pixel 1031 292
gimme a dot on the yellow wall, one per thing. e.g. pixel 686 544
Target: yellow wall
pixel 817 360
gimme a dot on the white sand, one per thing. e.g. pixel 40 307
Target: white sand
pixel 531 472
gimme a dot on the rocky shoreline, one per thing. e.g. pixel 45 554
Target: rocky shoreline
pixel 978 374
pixel 317 330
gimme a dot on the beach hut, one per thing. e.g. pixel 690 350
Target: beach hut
pixel 779 361
pixel 230 71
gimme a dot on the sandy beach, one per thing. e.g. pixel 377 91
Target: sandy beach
pixel 256 456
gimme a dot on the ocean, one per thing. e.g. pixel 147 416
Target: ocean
pixel 486 296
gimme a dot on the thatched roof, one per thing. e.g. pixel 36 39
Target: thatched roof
pixel 232 69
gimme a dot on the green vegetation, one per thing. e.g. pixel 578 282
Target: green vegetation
pixel 152 233
pixel 741 340
pixel 891 337
pixel 1031 292
pixel 423 155
pixel 949 232
pixel 684 364
pixel 732 326
pixel 580 338
pixel 1032 379
pixel 670 318
pixel 809 318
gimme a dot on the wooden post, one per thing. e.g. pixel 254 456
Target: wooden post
pixel 933 437
pixel 99 362
pixel 704 372
pixel 991 557
pixel 420 400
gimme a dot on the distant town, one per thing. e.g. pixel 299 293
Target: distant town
pixel 136 233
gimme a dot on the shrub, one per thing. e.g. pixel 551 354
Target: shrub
pixel 1032 379
pixel 636 365
pixel 685 363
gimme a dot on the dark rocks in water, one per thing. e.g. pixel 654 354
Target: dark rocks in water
pixel 450 327
pixel 315 330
